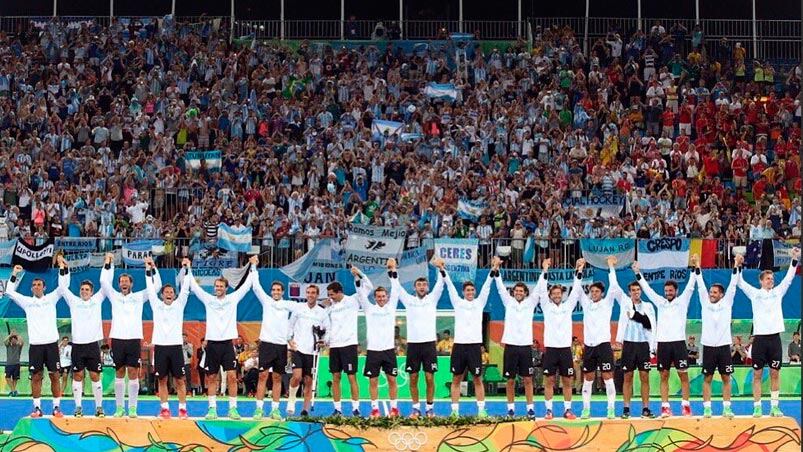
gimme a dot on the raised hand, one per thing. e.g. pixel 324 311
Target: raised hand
pixel 546 263
pixel 186 262
pixel 439 263
pixel 496 263
pixel 739 260
pixel 60 260
pixel 695 260
pixel 581 263
pixel 636 268
pixel 612 261
pixel 355 271
pixel 795 253
pixel 254 260
pixel 392 264
pixel 17 270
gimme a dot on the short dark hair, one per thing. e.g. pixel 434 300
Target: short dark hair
pixel 556 286
pixel 277 283
pixel 633 284
pixel 599 285
pixel 523 286
pixel 468 284
pixel 125 275
pixel 313 286
pixel 87 282
pixel 671 283
pixel 335 287
pixel 421 279
pixel 380 289
pixel 718 286
pixel 40 280
pixel 165 286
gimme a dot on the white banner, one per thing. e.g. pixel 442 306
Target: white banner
pixel 669 252
pixel 371 246
pixel 460 256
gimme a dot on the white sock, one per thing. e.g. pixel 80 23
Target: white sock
pixel 77 392
pixel 726 403
pixel 37 403
pixel 119 395
pixel 684 403
pixel 133 392
pixel 355 405
pixel 548 404
pixel 338 405
pixel 774 396
pixel 260 404
pixel 567 405
pixel 394 403
pixel 56 402
pixel 291 400
pixel 664 404
pixel 212 401
pixel 374 404
pixel 182 406
pixel 587 386
pixel 455 407
pixel 707 404
pixel 274 405
pixel 97 391
pixel 165 406
pixel 480 404
pixel 430 406
pixel 232 402
pixel 757 404
pixel 530 406
pixel 511 406
pixel 610 391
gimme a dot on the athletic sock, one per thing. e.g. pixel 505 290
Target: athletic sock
pixel 530 406
pixel 567 405
pixel 757 404
pixel 37 403
pixel 480 404
pixel 291 400
pixel 182 406
pixel 355 405
pixel 684 403
pixel 374 404
pixel 212 401
pixel 56 402
pixel 119 395
pixel 610 391
pixel 548 404
pixel 774 396
pixel 338 405
pixel 232 402
pixel 164 405
pixel 455 407
pixel 260 404
pixel 77 392
pixel 133 392
pixel 664 404
pixel 726 403
pixel 511 406
pixel 97 391
pixel 587 386
pixel 274 405
pixel 394 403
pixel 707 404
pixel 430 406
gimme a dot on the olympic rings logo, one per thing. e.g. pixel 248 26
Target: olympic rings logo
pixel 407 440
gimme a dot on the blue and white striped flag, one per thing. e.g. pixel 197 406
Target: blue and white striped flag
pixel 232 239
pixel 379 127
pixel 441 91
pixel 7 251
pixel 471 210
pixel 212 159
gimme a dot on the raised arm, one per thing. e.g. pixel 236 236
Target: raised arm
pixel 748 290
pixel 363 288
pixel 396 288
pixel 437 291
pixel 64 283
pixel 645 287
pixel 184 292
pixel 704 298
pixel 577 295
pixel 485 292
pixel 107 278
pixel 240 293
pixel 11 287
pixel 198 291
pixel 496 275
pixel 688 291
pixel 781 288
pixel 614 289
pixel 150 289
pixel 541 291
pixel 259 291
pixel 454 296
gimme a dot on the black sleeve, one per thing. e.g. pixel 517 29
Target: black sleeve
pixel 697 270
pixel 107 266
pixel 443 273
pixel 494 273
pixel 13 278
pixel 393 275
pixel 794 262
pixel 64 271
pixel 642 319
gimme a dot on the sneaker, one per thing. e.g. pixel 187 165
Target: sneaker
pixel 415 414
pixel 585 414
pixel 79 412
pixel 626 413
pixel 57 412
pixel 666 412
pixel 727 412
pixel 757 411
pixel 211 415
pixel 612 413
pixel 531 414
pixel 335 413
pixel 276 415
pixel 132 413
pixel 164 413
pixel 36 413
pixel 303 413
pixel 548 415
pixel 646 413
pixel 291 413
pixel 482 414
pixel 182 413
pixel 119 412
pixel 375 413
pixel 355 413
pixel 430 413
pixel 686 410
pixel 568 414
pixel 776 412
pixel 511 413
pixel 394 412
pixel 99 412
pixel 707 411
pixel 234 414
pixel 257 414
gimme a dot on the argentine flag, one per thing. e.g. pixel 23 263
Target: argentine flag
pixel 234 239
pixel 441 91
pixel 471 210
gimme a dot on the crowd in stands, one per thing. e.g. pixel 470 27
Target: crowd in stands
pixel 95 123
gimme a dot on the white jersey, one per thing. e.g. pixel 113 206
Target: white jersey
pixel 716 316
pixel 519 315
pixel 221 313
pixel 302 322
pixel 87 319
pixel 597 315
pixel 275 327
pixel 40 313
pixel 558 319
pixel 421 312
pixel 65 356
pixel 380 320
pixel 168 320
pixel 768 304
pixel 126 309
pixel 343 319
pixel 672 327
pixel 468 314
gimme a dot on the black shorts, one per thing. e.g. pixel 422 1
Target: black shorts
pixel 304 362
pixel 168 360
pixel 558 361
pixel 384 360
pixel 272 357
pixel 466 357
pixel 13 371
pixel 44 355
pixel 219 353
pixel 635 355
pixel 717 359
pixel 126 353
pixel 518 360
pixel 672 353
pixel 599 357
pixel 343 359
pixel 767 351
pixel 421 356
pixel 86 356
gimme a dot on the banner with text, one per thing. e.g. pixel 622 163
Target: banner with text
pixel 460 256
pixel 596 251
pixel 76 244
pixel 563 277
pixel 672 252
pixel 371 246
pixel 33 258
pixel 597 205
pixel 212 159
pixel 135 253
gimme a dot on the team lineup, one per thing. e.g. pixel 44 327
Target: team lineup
pixel 653 326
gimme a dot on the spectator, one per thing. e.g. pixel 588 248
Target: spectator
pixel 538 366
pixel 486 357
pixel 694 351
pixel 188 351
pixel 106 356
pixel 794 349
pixel 446 343
pixel 738 354
pixel 13 345
pixel 65 361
